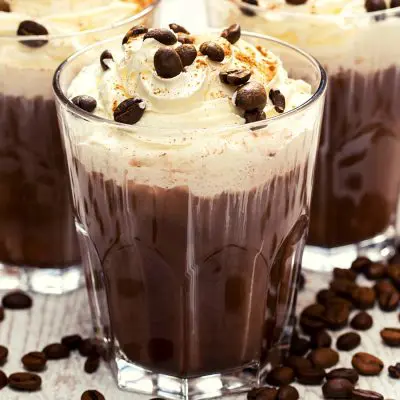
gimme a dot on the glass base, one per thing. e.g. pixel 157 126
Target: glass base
pixel 380 248
pixel 41 280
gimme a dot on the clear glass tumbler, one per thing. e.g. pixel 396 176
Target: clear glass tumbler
pixel 357 182
pixel 38 245
pixel 193 282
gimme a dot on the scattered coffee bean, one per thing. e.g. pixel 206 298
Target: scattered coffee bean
pixel 235 77
pixel 17 300
pixel 337 389
pixel 3 355
pixel 213 50
pixel 288 393
pixel 367 364
pixel 360 265
pixel 167 63
pixel 296 2
pixel 361 321
pixel 87 348
pixel 324 295
pixel 320 339
pixel 344 273
pixel 92 364
pixel 162 35
pixel 248 11
pixel 1 313
pixel 134 33
pixel 324 357
pixel 299 346
pixel 310 376
pixel 34 361
pixel 72 341
pixel 376 271
pixel 298 363
pixel 232 34
pixel 92 395
pixel 56 351
pixel 375 5
pixel 105 56
pixel 384 285
pixel 364 297
pixel 32 28
pixel 251 96
pixel 280 376
pixel 130 111
pixel 340 302
pixel 185 39
pixel 389 301
pixel 394 274
pixel 312 318
pixel 5 6
pixel 262 394
pixel 348 341
pixel 344 373
pixel 178 28
pixel 336 316
pixel 278 100
pixel 86 103
pixel 391 336
pixel 3 380
pixel 254 116
pixel 25 381
pixel 343 288
pixel 187 53
pixel 359 394
pixel 394 371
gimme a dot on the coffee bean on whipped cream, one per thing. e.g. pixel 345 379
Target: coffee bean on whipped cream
pixel 4 6
pixel 187 54
pixel 254 116
pixel 213 50
pixel 247 11
pixel 296 2
pixel 130 111
pixel 178 28
pixel 86 103
pixel 164 36
pixel 184 38
pixel 232 34
pixel 134 33
pixel 375 5
pixel 167 63
pixel 105 55
pixel 32 28
pixel 251 96
pixel 278 100
pixel 235 77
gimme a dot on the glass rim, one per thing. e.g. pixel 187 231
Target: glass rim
pixel 69 35
pixel 319 92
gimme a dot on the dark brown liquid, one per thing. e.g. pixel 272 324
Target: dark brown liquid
pixel 357 179
pixel 194 285
pixel 36 226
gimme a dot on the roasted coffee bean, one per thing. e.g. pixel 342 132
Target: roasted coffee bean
pixel 360 264
pixel 344 373
pixel 343 287
pixel 324 357
pixel 251 96
pixel 389 301
pixel 324 295
pixel 130 111
pixel 134 33
pixel 288 393
pixel 87 348
pixel 254 116
pixel 3 380
pixel 246 10
pixel 280 376
pixel 394 371
pixel 25 381
pixel 5 6
pixel 56 351
pixel 336 316
pixel 296 2
pixel 348 341
pixel 187 53
pixel 344 273
pixel 105 56
pixel 364 297
pixel 185 39
pixel 384 285
pixel 337 389
pixel 86 103
pixel 3 355
pixel 367 364
pixel 312 318
pixel 320 339
pixel 167 63
pixel 298 363
pixel 72 341
pixel 339 301
pixel 232 34
pixel 362 321
pixel 34 361
pixel 310 376
pixel 262 394
pixel 17 300
pixel 213 50
pixel 391 336
pixel 178 28
pixel 32 28
pixel 1 313
pixel 359 394
pixel 278 100
pixel 394 274
pixel 376 271
pixel 235 77
pixel 92 364
pixel 92 395
pixel 375 5
pixel 299 346
pixel 162 35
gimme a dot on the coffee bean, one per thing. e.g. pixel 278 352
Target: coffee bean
pixel 235 77
pixel 72 341
pixel 296 2
pixel 17 300
pixel 214 51
pixel 360 264
pixel 359 394
pixel 344 373
pixel 288 393
pixel 1 313
pixel 92 364
pixel 32 28
pixel 337 389
pixel 178 28
pixel 364 297
pixel 375 5
pixel 34 361
pixel 298 363
pixel 299 346
pixel 162 35
pixel 86 103
pixel 5 6
pixel 232 34
pixel 376 271
pixel 391 336
pixel 312 318
pixel 324 295
pixel 167 63
pixel 278 100
pixel 25 381
pixel 56 351
pixel 134 33
pixel 254 116
pixel 340 302
pixel 130 111
pixel 185 39
pixel 367 364
pixel 3 380
pixel 361 321
pixel 247 11
pixel 344 273
pixel 394 371
pixel 324 357
pixel 251 96
pixel 348 341
pixel 105 56
pixel 310 376
pixel 280 376
pixel 92 395
pixel 262 394
pixel 3 355
pixel 343 288
pixel 320 339
pixel 87 348
pixel 394 274
pixel 389 301
pixel 336 316
pixel 187 53
pixel 384 285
